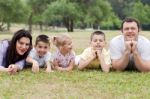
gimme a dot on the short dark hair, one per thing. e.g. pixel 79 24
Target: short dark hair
pixel 43 38
pixel 97 33
pixel 129 19
pixel 11 55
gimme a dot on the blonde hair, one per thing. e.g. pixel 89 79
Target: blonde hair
pixel 61 39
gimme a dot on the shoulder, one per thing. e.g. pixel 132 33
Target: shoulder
pixel 88 49
pixel 4 44
pixel 117 41
pixel 143 39
pixel 117 38
pixel 48 54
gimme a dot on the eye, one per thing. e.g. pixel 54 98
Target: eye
pixel 45 47
pixel 40 46
pixel 27 44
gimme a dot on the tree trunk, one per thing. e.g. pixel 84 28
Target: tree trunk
pixel 30 23
pixel 8 26
pixel 69 24
pixel 41 26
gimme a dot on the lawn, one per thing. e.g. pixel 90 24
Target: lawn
pixel 90 84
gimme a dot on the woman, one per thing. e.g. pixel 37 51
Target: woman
pixel 13 53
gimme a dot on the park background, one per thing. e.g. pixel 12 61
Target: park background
pixel 79 18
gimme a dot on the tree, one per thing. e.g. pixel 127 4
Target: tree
pixel 63 10
pixel 37 7
pixel 9 13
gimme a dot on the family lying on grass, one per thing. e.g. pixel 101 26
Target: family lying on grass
pixel 128 51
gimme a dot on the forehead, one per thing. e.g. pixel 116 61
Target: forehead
pixel 40 43
pixel 98 37
pixel 24 39
pixel 130 24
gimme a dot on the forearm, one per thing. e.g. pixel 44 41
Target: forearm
pixel 59 68
pixel 141 65
pixel 48 65
pixel 84 63
pixel 105 67
pixel 3 69
pixel 121 64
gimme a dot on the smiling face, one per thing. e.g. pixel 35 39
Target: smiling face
pixel 42 48
pixel 67 47
pixel 130 31
pixel 22 45
pixel 97 42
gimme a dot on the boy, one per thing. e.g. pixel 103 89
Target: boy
pixel 40 55
pixel 95 54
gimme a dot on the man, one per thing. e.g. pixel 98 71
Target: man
pixel 130 51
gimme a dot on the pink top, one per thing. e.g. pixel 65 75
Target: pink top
pixel 64 61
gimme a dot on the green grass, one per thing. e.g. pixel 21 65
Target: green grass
pixel 90 84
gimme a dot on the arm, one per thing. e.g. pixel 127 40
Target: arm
pixel 120 60
pixel 71 65
pixel 105 63
pixel 86 57
pixel 3 69
pixel 35 65
pixel 48 69
pixel 121 64
pixel 141 64
pixel 84 63
pixel 3 48
pixel 57 67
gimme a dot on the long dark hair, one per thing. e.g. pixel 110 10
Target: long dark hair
pixel 11 55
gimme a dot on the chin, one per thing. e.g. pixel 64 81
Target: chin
pixel 21 53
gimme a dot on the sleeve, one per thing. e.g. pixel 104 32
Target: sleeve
pixel 115 50
pixel 32 53
pixel 48 57
pixel 145 54
pixel 84 55
pixel 20 64
pixel 3 48
pixel 1 54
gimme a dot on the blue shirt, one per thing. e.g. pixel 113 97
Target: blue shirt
pixel 41 60
pixel 3 49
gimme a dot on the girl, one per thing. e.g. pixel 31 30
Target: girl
pixel 13 53
pixel 64 57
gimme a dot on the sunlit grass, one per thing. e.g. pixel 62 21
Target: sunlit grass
pixel 88 84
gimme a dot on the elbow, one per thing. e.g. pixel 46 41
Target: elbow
pixel 118 67
pixel 80 67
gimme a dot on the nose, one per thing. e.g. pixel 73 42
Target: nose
pixel 130 30
pixel 24 46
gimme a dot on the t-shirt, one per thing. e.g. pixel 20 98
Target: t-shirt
pixel 117 48
pixel 3 49
pixel 41 60
pixel 64 61
pixel 87 53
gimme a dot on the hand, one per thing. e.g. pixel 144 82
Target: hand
pixel 99 53
pixel 134 47
pixel 48 70
pixel 12 69
pixel 35 67
pixel 55 62
pixel 128 46
pixel 94 54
